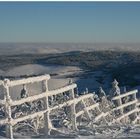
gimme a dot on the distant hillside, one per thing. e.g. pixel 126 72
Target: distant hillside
pixel 92 60
pixel 123 65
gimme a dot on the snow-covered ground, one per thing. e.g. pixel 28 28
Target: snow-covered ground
pixel 36 69
pixel 113 132
pixel 121 132
pixel 62 75
pixel 55 82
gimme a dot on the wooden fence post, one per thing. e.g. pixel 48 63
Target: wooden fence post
pixel 9 128
pixel 86 111
pixel 135 106
pixel 47 114
pixel 73 111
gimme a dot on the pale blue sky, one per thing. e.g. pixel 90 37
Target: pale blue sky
pixel 70 22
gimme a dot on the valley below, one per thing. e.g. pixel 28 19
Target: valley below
pixel 88 69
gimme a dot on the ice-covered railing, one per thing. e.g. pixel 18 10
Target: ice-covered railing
pixel 9 121
pixel 125 104
pixel 8 102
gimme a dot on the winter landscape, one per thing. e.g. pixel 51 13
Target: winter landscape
pixel 92 71
pixel 69 70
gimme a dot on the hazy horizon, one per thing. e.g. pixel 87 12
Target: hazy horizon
pixel 49 48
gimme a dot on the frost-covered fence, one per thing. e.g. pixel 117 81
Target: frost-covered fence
pixel 125 104
pixel 96 108
pixel 10 119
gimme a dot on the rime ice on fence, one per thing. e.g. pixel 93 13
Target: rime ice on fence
pixel 8 102
pixel 9 129
pixel 96 109
pixel 24 99
pixel 105 106
pixel 126 109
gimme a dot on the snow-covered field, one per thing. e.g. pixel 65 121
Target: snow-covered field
pixel 32 69
pixel 62 75
pixel 55 82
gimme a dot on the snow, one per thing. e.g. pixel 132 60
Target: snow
pixel 62 74
pixel 32 69
pixel 33 89
pixel 117 132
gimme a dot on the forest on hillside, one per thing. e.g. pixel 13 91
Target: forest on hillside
pixel 124 66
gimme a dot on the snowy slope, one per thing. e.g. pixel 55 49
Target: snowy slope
pixel 32 69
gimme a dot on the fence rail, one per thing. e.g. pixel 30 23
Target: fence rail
pixel 127 114
pixel 125 105
pixel 61 90
pixel 125 94
pixel 28 80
